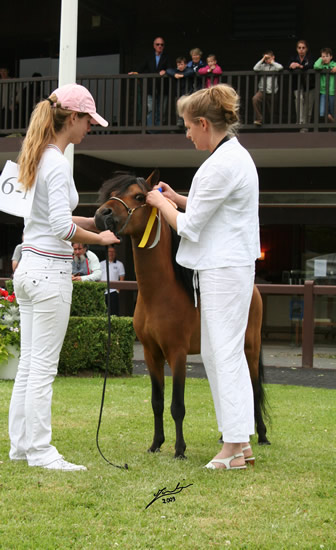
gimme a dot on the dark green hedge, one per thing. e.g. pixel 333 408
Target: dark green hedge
pixel 88 299
pixel 85 345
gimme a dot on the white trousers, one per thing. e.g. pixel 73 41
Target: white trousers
pixel 225 301
pixel 43 289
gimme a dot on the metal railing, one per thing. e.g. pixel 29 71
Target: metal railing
pixel 124 100
pixel 308 290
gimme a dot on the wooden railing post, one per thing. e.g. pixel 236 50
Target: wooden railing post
pixel 308 325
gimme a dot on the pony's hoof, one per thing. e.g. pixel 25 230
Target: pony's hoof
pixel 264 442
pixel 180 456
pixel 154 450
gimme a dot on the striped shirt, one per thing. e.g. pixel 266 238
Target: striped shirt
pixel 49 229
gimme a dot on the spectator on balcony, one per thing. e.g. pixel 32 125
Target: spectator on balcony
pixel 195 64
pixel 156 62
pixel 302 83
pixel 85 264
pixel 31 94
pixel 267 87
pixel 210 69
pixel 326 63
pixel 116 273
pixel 182 74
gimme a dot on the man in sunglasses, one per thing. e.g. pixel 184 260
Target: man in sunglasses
pixel 155 62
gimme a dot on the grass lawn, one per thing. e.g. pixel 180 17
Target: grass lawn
pixel 287 501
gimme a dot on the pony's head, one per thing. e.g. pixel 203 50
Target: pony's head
pixel 123 207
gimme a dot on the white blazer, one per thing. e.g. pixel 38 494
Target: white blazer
pixel 220 226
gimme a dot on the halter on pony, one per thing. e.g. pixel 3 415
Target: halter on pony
pixel 142 183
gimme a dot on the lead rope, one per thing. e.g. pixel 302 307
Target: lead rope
pixel 195 282
pixel 125 466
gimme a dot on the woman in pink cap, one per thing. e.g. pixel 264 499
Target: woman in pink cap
pixel 42 282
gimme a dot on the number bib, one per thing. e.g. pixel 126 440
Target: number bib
pixel 13 199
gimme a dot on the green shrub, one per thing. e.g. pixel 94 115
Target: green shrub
pixel 88 299
pixel 9 325
pixel 85 345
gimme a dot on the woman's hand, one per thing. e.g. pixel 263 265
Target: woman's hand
pixel 155 198
pixel 107 237
pixel 167 191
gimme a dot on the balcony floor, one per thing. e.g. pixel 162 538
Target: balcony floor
pixel 269 150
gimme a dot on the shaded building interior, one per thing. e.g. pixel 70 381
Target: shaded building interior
pixel 292 230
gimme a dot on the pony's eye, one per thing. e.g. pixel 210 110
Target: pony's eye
pixel 140 197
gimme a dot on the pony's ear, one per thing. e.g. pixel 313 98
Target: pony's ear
pixel 154 178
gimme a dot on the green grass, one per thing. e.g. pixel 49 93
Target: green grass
pixel 286 501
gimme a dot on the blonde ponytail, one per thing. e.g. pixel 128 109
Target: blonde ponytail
pixel 47 119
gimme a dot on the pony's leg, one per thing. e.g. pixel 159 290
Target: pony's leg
pixel 178 367
pixel 253 356
pixel 156 370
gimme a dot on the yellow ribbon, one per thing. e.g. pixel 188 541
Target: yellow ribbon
pixel 148 229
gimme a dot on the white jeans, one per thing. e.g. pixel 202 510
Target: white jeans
pixel 225 301
pixel 43 289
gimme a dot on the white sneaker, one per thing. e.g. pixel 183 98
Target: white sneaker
pixel 61 464
pixel 17 457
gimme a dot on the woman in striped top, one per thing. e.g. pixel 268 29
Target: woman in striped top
pixel 42 282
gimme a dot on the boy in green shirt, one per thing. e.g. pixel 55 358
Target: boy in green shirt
pixel 325 62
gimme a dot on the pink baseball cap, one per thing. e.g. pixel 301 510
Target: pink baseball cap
pixel 77 98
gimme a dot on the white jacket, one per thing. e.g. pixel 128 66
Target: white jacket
pixel 221 226
pixel 94 266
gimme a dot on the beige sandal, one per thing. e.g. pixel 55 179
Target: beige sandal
pixel 226 462
pixel 250 459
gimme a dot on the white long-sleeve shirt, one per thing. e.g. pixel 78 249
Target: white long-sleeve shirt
pixel 116 270
pixel 273 67
pixel 94 266
pixel 220 226
pixel 49 228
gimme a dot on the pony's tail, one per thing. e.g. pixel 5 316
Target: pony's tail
pixel 261 404
pixel 264 403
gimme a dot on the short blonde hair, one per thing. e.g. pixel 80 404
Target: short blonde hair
pixel 196 51
pixel 218 104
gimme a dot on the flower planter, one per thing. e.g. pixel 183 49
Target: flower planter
pixel 8 368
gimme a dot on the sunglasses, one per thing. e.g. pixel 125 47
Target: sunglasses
pixel 159 44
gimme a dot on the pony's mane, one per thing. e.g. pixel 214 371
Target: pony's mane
pixel 183 274
pixel 119 184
